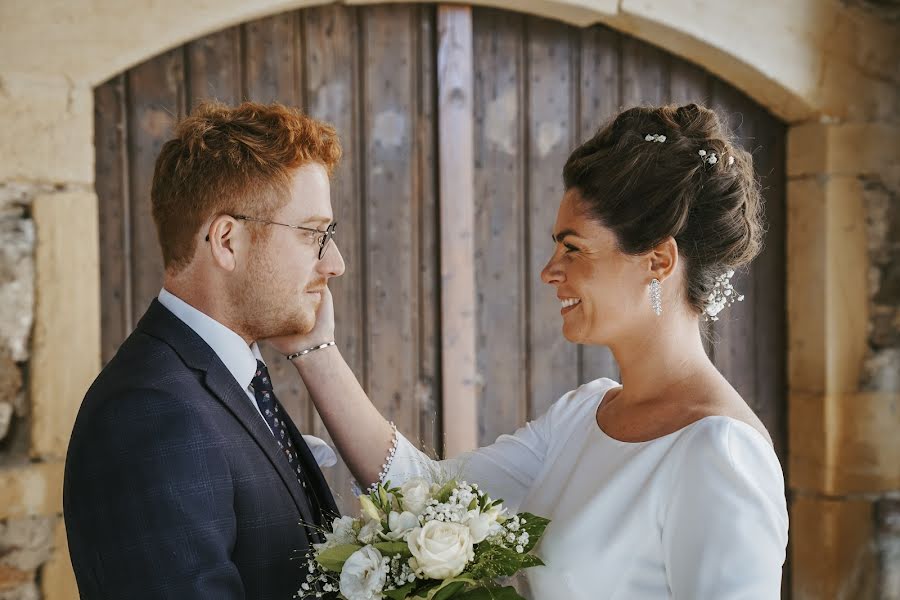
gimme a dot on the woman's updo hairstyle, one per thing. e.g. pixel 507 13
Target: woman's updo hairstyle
pixel 646 191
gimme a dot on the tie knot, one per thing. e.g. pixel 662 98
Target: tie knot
pixel 261 380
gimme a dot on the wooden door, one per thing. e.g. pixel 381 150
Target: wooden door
pixel 540 87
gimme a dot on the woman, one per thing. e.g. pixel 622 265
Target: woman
pixel 663 486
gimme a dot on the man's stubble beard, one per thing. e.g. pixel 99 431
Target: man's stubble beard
pixel 269 306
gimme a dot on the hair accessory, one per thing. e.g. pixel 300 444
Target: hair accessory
pixel 654 137
pixel 708 157
pixel 722 296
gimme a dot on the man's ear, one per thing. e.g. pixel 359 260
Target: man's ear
pixel 222 240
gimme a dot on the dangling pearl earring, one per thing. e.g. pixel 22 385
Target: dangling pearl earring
pixel 656 296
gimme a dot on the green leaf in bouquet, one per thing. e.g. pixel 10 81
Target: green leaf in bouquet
pixel 393 548
pixel 535 527
pixel 444 493
pixel 333 558
pixel 531 560
pixel 400 593
pixel 448 591
pixel 490 593
pixel 492 561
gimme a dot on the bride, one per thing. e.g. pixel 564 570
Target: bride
pixel 663 486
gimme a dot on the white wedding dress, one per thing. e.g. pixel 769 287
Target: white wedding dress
pixel 696 514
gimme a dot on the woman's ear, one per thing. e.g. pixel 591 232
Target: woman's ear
pixel 663 260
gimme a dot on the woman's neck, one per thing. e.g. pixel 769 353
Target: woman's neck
pixel 660 357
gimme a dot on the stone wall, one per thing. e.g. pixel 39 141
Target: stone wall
pixel 24 543
pixel 882 367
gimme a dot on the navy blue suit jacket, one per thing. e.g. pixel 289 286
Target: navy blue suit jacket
pixel 175 487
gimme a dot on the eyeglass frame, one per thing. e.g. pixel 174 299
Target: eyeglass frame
pixel 327 235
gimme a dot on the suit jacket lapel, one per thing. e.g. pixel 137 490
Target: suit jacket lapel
pixel 159 322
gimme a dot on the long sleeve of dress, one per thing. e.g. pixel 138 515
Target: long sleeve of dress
pixel 725 526
pixel 507 468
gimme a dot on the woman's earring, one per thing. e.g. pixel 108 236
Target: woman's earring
pixel 656 296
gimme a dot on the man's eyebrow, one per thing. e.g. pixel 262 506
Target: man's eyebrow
pixel 318 220
pixel 559 236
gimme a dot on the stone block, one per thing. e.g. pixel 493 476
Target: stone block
pixel 828 303
pixel 832 555
pixel 26 543
pixel 853 149
pixel 68 308
pixel 57 577
pixel 844 444
pixel 887 531
pixel 27 591
pixel 48 130
pixel 31 490
pixel 17 240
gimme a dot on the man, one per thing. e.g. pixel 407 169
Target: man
pixel 185 477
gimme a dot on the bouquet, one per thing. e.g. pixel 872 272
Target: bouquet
pixel 424 541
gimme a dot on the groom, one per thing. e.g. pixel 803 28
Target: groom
pixel 185 477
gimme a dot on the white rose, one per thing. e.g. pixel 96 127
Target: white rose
pixel 400 524
pixel 482 525
pixel 341 533
pixel 363 575
pixel 369 532
pixel 441 549
pixel 416 493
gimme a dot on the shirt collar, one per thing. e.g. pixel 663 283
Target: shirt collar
pixel 239 358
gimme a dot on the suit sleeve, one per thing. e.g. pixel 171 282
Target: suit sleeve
pixel 148 503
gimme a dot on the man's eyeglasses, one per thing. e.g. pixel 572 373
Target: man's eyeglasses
pixel 326 236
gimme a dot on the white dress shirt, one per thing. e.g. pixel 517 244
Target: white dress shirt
pixel 239 358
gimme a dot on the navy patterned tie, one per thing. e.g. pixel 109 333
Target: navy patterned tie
pixel 274 415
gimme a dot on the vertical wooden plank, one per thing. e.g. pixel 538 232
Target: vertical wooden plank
pixel 156 100
pixel 112 194
pixel 734 332
pixel 553 361
pixel 273 60
pixel 391 248
pixel 457 214
pixel 214 68
pixel 500 220
pixel 644 79
pixel 769 313
pixel 330 37
pixel 428 398
pixel 599 101
pixel 269 64
pixel 688 83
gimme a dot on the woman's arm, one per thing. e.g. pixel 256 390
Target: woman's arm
pixel 362 436
pixel 505 469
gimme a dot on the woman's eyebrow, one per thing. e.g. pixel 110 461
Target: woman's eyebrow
pixel 559 236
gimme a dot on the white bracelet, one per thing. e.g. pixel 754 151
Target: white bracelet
pixel 308 350
pixel 387 463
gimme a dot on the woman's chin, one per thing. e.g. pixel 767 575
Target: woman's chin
pixel 573 333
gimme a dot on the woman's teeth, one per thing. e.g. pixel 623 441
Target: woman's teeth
pixel 570 302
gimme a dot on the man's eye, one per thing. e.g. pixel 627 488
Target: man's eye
pixel 570 248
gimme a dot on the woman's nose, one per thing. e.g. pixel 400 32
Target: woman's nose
pixel 552 274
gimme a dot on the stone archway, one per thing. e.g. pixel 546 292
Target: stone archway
pixel 827 74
